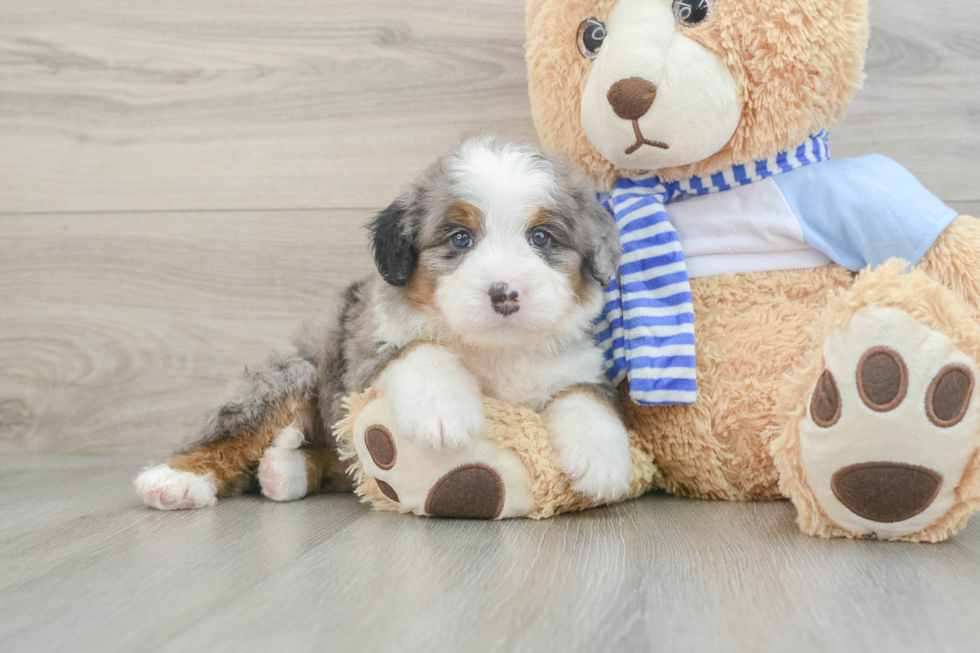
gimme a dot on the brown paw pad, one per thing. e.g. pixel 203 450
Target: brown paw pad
pixel 949 396
pixel 381 446
pixel 472 491
pixel 387 490
pixel 882 379
pixel 825 407
pixel 886 492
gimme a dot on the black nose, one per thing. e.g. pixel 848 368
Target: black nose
pixel 632 97
pixel 504 301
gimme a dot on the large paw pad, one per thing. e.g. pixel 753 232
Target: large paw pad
pixel 893 421
pixel 481 480
pixel 468 492
pixel 886 492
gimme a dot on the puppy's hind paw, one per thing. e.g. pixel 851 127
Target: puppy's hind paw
pixel 164 488
pixel 282 474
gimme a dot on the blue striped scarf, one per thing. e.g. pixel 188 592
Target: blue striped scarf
pixel 647 326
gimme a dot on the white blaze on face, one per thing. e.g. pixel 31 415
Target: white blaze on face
pixel 696 110
pixel 508 188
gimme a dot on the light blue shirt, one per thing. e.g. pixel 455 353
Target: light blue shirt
pixel 862 212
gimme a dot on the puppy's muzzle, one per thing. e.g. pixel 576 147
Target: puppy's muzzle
pixel 504 300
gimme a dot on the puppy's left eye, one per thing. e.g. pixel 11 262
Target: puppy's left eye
pixel 689 13
pixel 461 240
pixel 540 239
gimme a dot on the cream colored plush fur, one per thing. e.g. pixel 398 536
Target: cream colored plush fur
pixel 761 337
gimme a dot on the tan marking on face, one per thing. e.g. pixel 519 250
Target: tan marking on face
pixel 422 289
pixel 579 282
pixel 541 217
pixel 466 215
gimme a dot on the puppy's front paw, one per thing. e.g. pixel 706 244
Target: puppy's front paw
pixel 436 401
pixel 592 447
pixel 437 416
pixel 603 476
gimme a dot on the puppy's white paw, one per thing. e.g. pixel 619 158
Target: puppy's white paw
pixel 164 488
pixel 282 474
pixel 439 421
pixel 592 446
pixel 436 401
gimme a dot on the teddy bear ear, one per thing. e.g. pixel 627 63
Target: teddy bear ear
pixel 396 253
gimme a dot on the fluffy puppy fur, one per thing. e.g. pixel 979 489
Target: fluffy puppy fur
pixel 490 276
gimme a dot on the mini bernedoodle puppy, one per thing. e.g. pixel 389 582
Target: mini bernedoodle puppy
pixel 490 276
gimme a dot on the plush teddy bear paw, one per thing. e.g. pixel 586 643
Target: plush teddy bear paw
pixel 891 425
pixel 164 488
pixel 480 480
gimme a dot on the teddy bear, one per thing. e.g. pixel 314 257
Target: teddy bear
pixel 823 345
pixel 783 324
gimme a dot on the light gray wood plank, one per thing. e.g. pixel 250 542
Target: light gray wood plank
pixel 658 573
pixel 259 104
pixel 326 104
pixel 967 208
pixel 918 105
pixel 118 331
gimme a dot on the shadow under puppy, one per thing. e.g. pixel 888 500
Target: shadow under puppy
pixel 490 275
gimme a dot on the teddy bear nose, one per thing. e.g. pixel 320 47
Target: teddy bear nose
pixel 632 97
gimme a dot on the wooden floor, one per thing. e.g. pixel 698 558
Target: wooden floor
pixel 182 182
pixel 84 567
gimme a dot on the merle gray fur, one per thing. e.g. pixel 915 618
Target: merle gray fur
pixel 338 353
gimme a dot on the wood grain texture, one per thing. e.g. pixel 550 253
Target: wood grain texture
pixel 92 570
pixel 259 104
pixel 124 312
pixel 281 104
pixel 119 330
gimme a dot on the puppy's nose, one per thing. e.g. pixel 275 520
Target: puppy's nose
pixel 504 300
pixel 632 97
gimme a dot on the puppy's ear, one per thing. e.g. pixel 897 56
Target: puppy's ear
pixel 604 252
pixel 393 243
pixel 598 239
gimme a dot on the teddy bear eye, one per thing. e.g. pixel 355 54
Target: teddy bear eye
pixel 691 12
pixel 591 33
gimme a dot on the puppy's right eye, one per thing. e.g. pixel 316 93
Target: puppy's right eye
pixel 461 240
pixel 591 34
